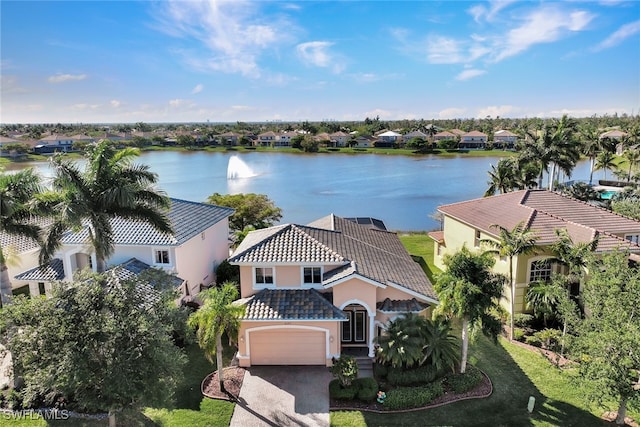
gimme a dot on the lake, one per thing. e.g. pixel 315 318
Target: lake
pixel 400 190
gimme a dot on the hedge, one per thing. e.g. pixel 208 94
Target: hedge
pixel 413 397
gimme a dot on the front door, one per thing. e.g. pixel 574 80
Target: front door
pixel 354 330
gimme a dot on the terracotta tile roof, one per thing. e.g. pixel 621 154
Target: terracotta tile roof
pixel 438 236
pixel 291 304
pixel 544 212
pixel 355 249
pixel 475 133
pixel 50 272
pixel 401 306
pixel 188 219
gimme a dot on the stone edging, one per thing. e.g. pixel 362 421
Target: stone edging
pixel 430 406
pixel 211 375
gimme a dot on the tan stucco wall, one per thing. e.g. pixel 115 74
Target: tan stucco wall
pixel 355 291
pixel 244 335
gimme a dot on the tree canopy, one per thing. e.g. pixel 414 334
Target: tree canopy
pixel 608 341
pixel 251 210
pixel 98 344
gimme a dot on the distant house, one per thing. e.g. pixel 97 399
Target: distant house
pixel 266 139
pixel 6 141
pixel 83 138
pixel 390 137
pixel 229 138
pixel 473 139
pixel 543 212
pixel 339 139
pixel 504 138
pixel 364 141
pixel 53 143
pixel 284 139
pixel 200 242
pixel 618 136
pixel 414 134
pixel 312 292
pixel 444 136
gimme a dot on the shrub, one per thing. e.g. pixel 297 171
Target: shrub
pixel 345 369
pixel 337 391
pixel 14 400
pixel 518 334
pixel 462 383
pixel 533 340
pixel 380 370
pixel 549 338
pixel 367 389
pixel 227 273
pixel 413 397
pixel 420 375
pixel 522 320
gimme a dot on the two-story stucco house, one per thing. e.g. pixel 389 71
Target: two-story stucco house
pixel 543 212
pixel 200 242
pixel 312 291
pixel 473 139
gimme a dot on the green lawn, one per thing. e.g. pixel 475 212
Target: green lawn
pixel 516 373
pixel 190 409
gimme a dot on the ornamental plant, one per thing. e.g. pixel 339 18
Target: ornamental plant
pixel 345 369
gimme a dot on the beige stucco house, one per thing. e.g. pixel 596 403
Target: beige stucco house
pixel 200 242
pixel 468 223
pixel 313 291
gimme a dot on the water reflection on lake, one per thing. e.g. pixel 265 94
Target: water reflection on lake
pixel 401 190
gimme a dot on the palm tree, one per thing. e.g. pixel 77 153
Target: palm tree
pixel 217 316
pixel 511 243
pixel 543 297
pixel 632 156
pixel 17 212
pixel 606 161
pixel 501 177
pixel 591 146
pixel 402 344
pixel 469 291
pixel 110 187
pixel 442 348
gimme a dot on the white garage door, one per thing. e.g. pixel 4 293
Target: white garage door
pixel 287 347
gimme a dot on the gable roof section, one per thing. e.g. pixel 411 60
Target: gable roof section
pixel 187 218
pixel 291 304
pixel 367 251
pixel 50 272
pixel 544 212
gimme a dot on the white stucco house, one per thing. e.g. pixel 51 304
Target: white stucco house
pixel 200 242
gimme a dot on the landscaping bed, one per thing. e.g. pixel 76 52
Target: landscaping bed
pixel 482 390
pixel 233 377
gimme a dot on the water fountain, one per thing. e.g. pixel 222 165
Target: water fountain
pixel 237 169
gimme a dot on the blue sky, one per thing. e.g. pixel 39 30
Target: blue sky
pixel 187 61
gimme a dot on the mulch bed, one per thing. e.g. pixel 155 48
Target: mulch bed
pixel 484 389
pixel 233 377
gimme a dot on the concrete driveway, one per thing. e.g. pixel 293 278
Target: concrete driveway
pixel 278 396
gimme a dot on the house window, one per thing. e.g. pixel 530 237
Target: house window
pixel 476 241
pixel 540 270
pixel 312 275
pixel 439 249
pixel 634 238
pixel 41 289
pixel 264 275
pixel 162 257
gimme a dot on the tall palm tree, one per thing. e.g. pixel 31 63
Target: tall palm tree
pixel 111 186
pixel 632 156
pixel 501 177
pixel 591 146
pixel 469 290
pixel 17 212
pixel 511 243
pixel 217 316
pixel 606 161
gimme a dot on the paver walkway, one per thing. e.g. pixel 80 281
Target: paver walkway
pixel 277 396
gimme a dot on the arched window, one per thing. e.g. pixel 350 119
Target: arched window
pixel 540 270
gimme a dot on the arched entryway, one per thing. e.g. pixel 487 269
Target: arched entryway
pixel 357 331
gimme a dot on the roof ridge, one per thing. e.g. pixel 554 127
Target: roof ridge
pixel 298 228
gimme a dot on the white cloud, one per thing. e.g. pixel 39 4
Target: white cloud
pixel 317 53
pixel 61 78
pixel 498 111
pixel 620 35
pixel 233 33
pixel 115 103
pixel 9 84
pixel 544 25
pixel 197 89
pixel 177 103
pixel 469 74
pixel 480 12
pixel 444 50
pixel 451 113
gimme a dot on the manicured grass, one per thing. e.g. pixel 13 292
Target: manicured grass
pixel 420 247
pixel 516 373
pixel 190 409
